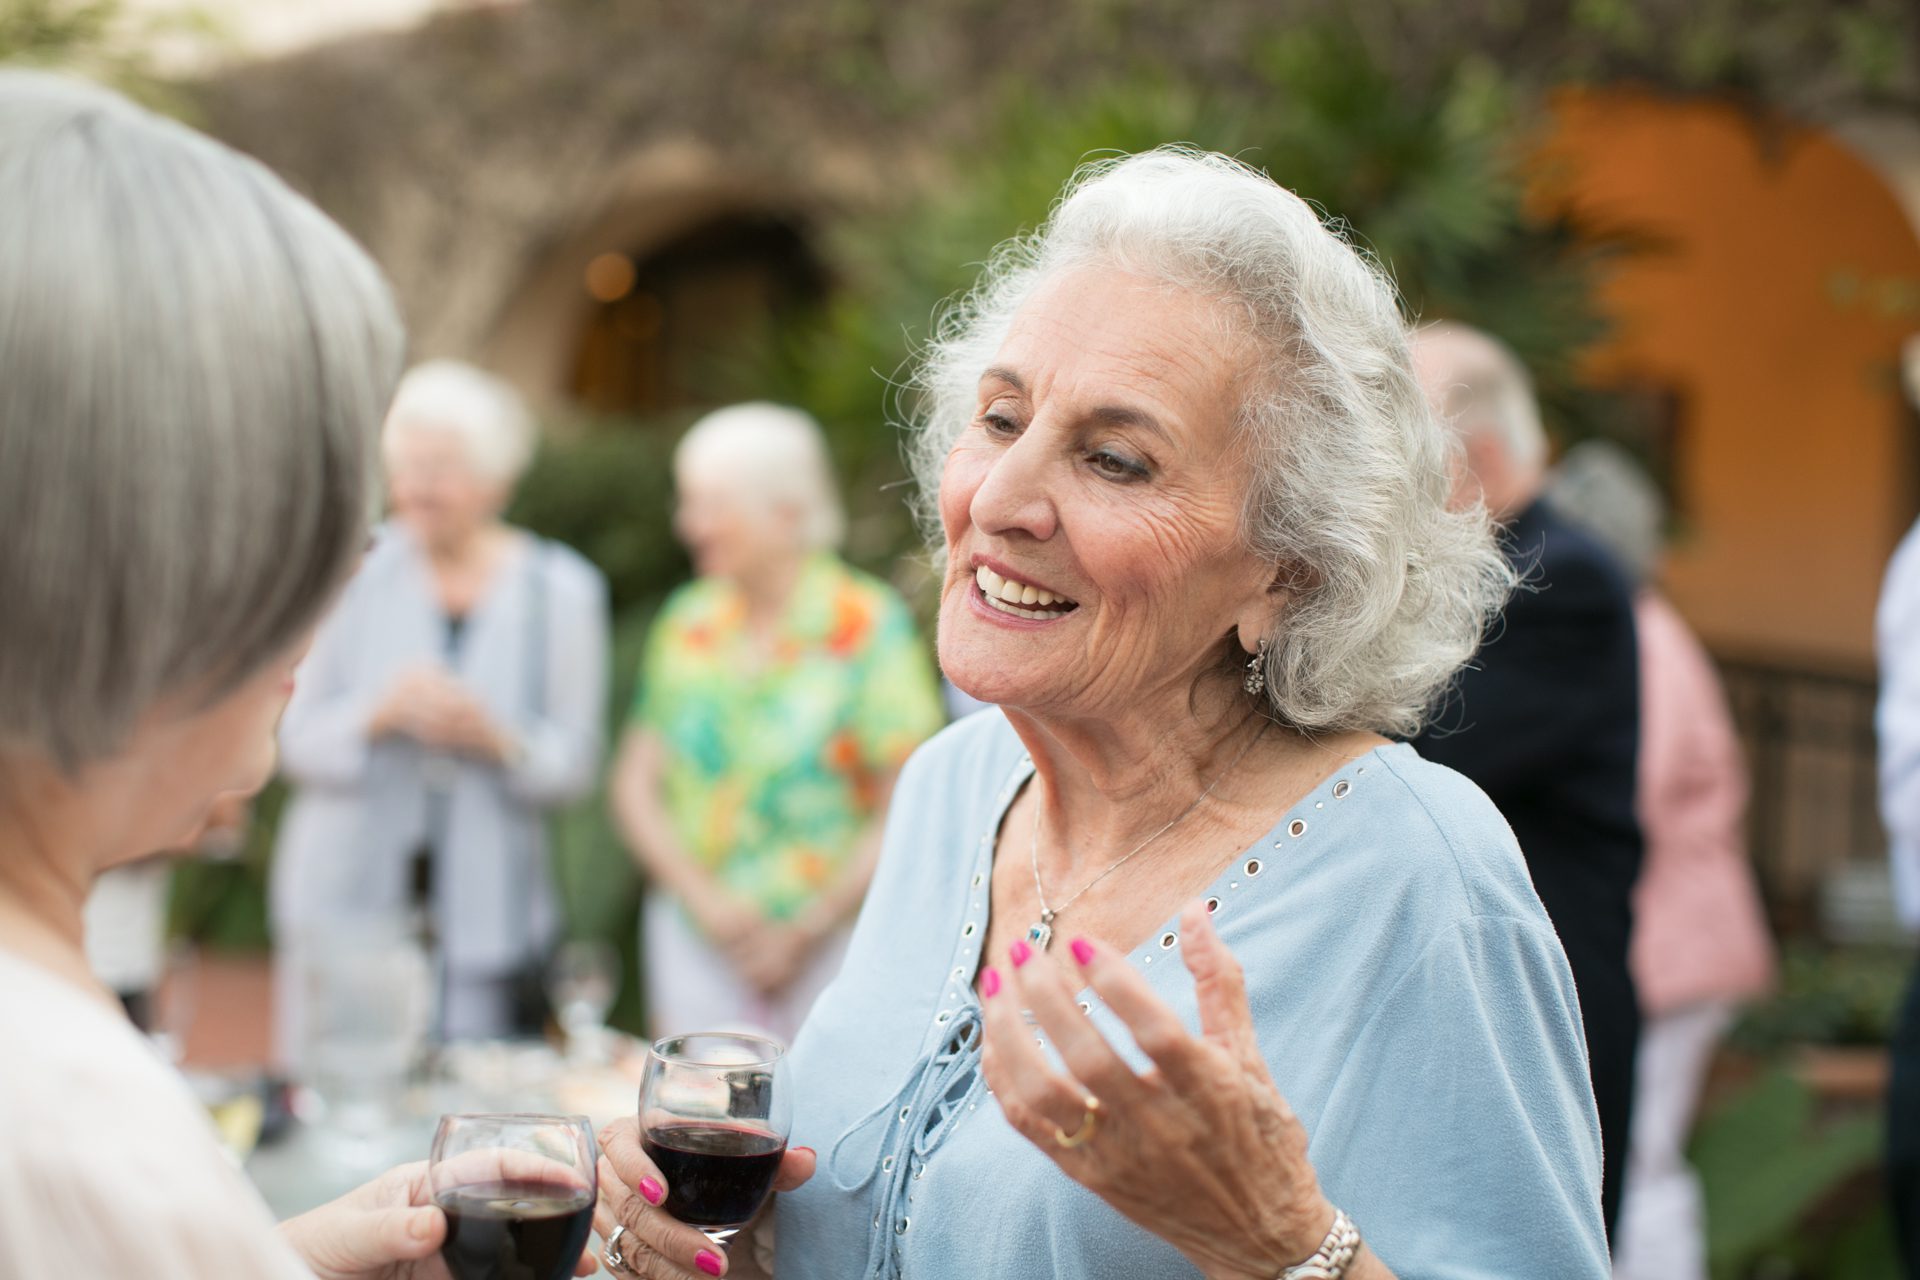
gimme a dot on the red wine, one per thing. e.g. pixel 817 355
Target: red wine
pixel 515 1230
pixel 717 1175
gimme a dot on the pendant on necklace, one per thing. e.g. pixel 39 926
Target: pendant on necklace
pixel 1041 934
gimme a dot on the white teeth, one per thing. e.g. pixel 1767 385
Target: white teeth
pixel 1016 611
pixel 999 590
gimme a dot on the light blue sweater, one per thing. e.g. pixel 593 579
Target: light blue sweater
pixel 1410 994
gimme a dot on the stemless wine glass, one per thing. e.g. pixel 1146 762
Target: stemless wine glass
pixel 518 1192
pixel 714 1117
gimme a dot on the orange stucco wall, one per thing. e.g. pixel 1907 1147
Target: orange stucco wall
pixel 1795 464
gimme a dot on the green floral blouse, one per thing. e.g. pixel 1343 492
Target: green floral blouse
pixel 773 761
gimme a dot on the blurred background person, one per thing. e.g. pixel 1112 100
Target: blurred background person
pixel 1897 721
pixel 1700 940
pixel 452 700
pixel 780 693
pixel 1546 718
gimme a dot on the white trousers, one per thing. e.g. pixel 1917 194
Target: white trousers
pixel 691 987
pixel 1662 1231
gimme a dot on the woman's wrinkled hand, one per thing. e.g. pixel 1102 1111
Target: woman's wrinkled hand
pixel 1201 1150
pixel 657 1247
pixel 388 1229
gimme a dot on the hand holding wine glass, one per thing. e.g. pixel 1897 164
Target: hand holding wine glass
pixel 518 1192
pixel 387 1229
pixel 708 1148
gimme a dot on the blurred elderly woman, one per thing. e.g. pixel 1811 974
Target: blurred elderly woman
pixel 779 696
pixel 1700 941
pixel 454 697
pixel 193 364
pixel 1198 548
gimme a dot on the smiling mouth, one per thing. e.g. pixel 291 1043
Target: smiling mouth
pixel 1020 599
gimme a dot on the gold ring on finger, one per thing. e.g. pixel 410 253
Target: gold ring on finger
pixel 1089 1123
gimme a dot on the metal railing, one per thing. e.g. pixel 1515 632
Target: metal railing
pixel 1809 740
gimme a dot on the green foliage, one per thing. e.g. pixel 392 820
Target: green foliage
pixel 1808 55
pixel 223 904
pixel 1828 995
pixel 102 40
pixel 605 488
pixel 1426 174
pixel 54 31
pixel 1770 1161
pixel 598 885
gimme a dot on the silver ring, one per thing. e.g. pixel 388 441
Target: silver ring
pixel 611 1255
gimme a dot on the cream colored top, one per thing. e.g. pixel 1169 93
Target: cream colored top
pixel 108 1165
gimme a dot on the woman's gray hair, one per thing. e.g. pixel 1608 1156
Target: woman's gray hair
pixel 193 366
pixel 1348 469
pixel 483 413
pixel 778 455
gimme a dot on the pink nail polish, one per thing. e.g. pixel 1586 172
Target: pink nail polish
pixel 1082 951
pixel 652 1191
pixel 708 1261
pixel 990 983
pixel 1019 953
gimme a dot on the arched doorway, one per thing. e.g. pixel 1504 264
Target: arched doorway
pixel 685 265
pixel 670 325
pixel 1763 320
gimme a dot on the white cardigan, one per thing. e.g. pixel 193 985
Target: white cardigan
pixel 360 809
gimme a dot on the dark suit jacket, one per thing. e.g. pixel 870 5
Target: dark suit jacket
pixel 1547 722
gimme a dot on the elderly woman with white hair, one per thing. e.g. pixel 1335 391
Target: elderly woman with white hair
pixel 780 694
pixel 193 365
pixel 1181 966
pixel 454 697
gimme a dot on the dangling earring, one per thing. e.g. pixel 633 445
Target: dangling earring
pixel 1257 670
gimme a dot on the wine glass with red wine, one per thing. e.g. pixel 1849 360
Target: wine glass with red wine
pixel 518 1192
pixel 714 1117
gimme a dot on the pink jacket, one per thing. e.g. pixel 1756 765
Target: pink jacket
pixel 1699 930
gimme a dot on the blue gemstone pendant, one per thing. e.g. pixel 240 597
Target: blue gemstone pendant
pixel 1041 934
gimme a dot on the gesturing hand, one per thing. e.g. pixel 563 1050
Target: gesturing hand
pixel 1201 1150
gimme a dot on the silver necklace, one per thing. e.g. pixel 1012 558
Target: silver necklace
pixel 1040 933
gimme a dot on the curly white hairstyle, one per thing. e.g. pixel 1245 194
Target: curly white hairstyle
pixel 482 412
pixel 1348 468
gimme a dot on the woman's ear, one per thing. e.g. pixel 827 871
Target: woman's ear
pixel 1290 580
pixel 1262 617
pixel 1260 622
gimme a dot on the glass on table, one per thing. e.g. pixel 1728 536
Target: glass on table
pixel 518 1192
pixel 714 1118
pixel 365 1009
pixel 583 979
